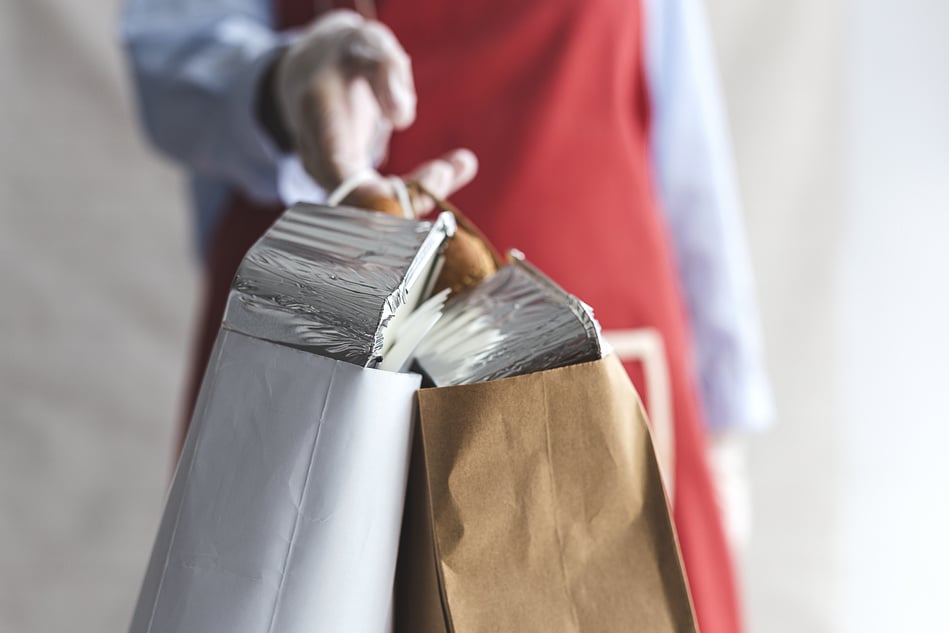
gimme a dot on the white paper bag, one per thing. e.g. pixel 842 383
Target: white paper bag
pixel 285 510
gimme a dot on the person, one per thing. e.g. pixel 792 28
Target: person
pixel 601 153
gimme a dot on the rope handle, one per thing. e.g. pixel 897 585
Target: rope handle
pixel 463 221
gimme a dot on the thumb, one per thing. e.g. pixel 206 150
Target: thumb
pixel 443 177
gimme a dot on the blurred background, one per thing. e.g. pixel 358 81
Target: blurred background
pixel 839 116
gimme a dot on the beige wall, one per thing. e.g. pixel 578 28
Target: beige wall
pixel 782 67
pixel 891 546
pixel 96 291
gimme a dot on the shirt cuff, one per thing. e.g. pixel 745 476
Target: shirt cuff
pixel 737 402
pixel 251 139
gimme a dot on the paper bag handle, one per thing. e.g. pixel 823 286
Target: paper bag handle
pixel 463 220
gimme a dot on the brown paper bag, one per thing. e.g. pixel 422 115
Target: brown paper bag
pixel 535 504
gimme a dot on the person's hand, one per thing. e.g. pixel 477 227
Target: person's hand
pixel 341 89
pixel 440 177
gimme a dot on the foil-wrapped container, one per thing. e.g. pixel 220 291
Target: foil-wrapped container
pixel 515 322
pixel 336 281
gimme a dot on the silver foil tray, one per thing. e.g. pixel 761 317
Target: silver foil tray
pixel 334 280
pixel 515 322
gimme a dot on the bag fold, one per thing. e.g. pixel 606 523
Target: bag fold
pixel 545 507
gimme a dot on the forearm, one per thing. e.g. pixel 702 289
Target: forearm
pixel 698 193
pixel 197 70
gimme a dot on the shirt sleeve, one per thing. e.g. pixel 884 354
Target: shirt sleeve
pixel 698 193
pixel 196 66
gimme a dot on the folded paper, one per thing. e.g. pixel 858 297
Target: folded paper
pixel 285 508
pixel 535 505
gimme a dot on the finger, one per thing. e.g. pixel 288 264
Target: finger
pixel 380 142
pixel 443 177
pixel 374 53
pixel 343 130
pixel 311 66
pixel 323 38
pixel 334 21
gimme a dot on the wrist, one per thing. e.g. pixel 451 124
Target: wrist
pixel 267 107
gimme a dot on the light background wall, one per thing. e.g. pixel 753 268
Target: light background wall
pixel 838 112
pixel 96 291
pixel 782 67
pixel 891 547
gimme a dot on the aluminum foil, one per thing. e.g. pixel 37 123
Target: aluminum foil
pixel 515 322
pixel 335 281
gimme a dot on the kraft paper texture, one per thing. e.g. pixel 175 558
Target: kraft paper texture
pixel 538 507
